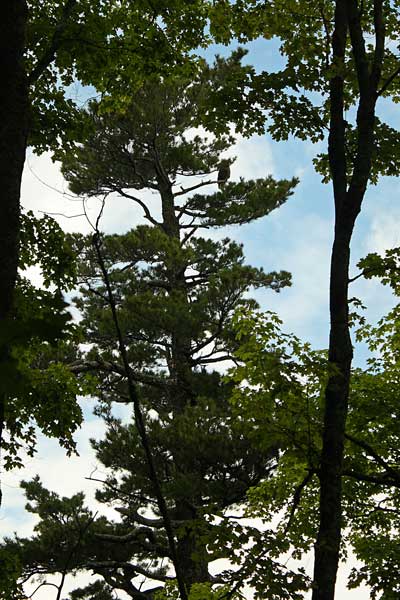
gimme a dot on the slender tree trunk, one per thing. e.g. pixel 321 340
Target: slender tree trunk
pixel 348 200
pixel 14 109
pixel 14 129
pixel 340 348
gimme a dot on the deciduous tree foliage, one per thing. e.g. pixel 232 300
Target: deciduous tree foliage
pixel 36 387
pixel 341 59
pixel 289 402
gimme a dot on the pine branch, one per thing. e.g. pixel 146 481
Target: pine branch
pixel 138 518
pixel 133 570
pixel 140 202
pixel 139 497
pixel 84 366
pixel 134 536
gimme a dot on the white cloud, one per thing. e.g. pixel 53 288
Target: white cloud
pixel 59 473
pixel 384 231
pixel 45 191
pixel 254 158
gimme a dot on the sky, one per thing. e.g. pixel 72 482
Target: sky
pixel 297 237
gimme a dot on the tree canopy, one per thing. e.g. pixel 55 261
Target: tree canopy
pixel 301 439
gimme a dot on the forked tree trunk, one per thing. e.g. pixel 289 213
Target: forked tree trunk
pixel 348 199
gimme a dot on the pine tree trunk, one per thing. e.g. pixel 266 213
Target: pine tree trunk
pixel 194 570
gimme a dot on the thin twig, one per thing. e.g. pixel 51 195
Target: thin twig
pixel 193 187
pixel 51 187
pixel 365 446
pixel 57 214
pixel 388 82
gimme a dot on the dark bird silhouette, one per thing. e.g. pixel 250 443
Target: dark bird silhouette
pixel 224 173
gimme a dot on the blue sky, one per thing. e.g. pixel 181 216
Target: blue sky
pixel 296 237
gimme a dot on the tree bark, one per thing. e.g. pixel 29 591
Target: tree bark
pixel 14 110
pixel 14 130
pixel 348 199
pixel 195 570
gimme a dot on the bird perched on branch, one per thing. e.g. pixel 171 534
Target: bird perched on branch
pixel 224 173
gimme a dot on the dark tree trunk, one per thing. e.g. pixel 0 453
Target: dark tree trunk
pixel 14 108
pixel 340 348
pixel 189 550
pixel 14 128
pixel 348 200
pixel 194 569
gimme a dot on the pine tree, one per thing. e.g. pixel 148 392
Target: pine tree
pixel 174 294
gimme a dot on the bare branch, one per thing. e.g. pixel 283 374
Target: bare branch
pixel 146 211
pixel 143 536
pixel 388 82
pixel 184 211
pixel 379 479
pixel 194 187
pixel 41 585
pixel 393 473
pixel 297 497
pixel 133 569
pixel 189 234
pixel 138 518
pixel 205 360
